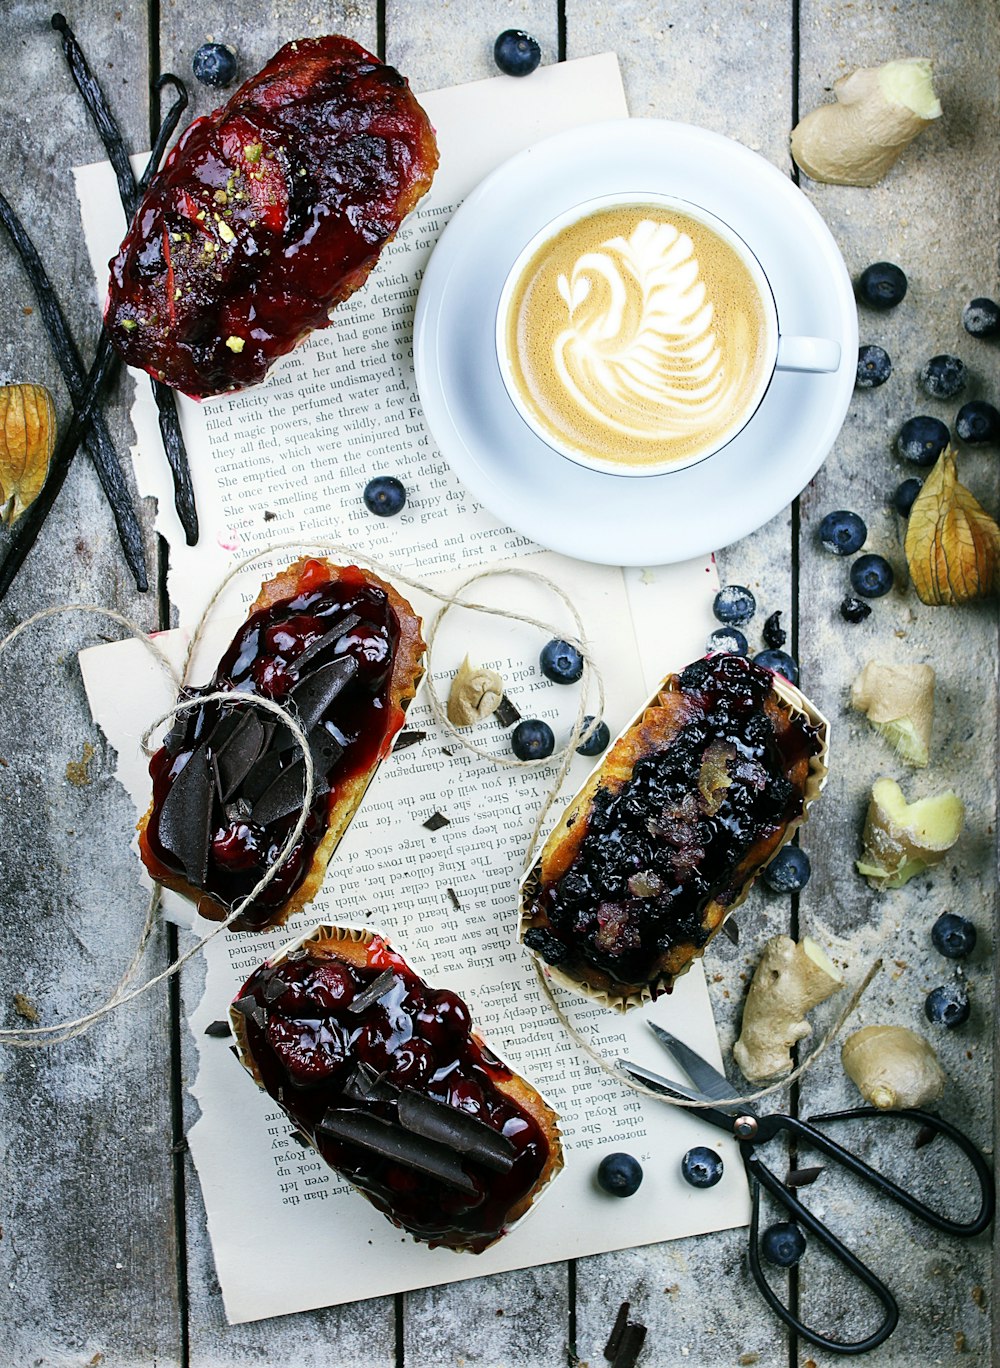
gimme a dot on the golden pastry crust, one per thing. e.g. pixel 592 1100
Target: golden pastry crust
pixel 407 672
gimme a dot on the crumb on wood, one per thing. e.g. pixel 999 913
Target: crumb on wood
pixel 96 1359
pixel 24 1007
pixel 4 762
pixel 672 1289
pixel 979 1297
pixel 745 1360
pixel 960 1345
pixel 78 771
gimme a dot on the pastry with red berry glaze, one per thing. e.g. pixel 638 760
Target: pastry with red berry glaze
pixel 386 1078
pixel 342 651
pixel 669 832
pixel 266 214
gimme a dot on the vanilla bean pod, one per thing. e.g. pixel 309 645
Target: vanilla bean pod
pixel 98 440
pixel 110 134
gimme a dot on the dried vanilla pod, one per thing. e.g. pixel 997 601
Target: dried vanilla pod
pixel 475 694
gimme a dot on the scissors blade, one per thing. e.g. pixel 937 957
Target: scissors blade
pixel 709 1081
pixel 704 1111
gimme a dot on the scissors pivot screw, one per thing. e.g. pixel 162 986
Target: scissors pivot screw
pixel 745 1127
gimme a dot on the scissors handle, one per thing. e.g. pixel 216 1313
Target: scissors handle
pixel 761 1176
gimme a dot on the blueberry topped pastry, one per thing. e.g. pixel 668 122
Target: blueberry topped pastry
pixel 668 834
pixel 340 650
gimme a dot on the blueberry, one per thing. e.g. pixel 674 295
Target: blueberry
pixel 953 935
pixel 854 609
pixel 981 318
pixel 734 605
pixel 385 495
pixel 516 53
pixel 780 662
pixel 701 1167
pixel 532 739
pixel 922 440
pixel 874 367
pixel 773 633
pixel 550 947
pixel 789 871
pixel 947 1005
pixel 871 576
pixel 619 1174
pixel 783 1244
pixel 561 662
pixel 903 499
pixel 882 285
pixel 977 422
pixel 598 739
pixel 729 639
pixel 214 64
pixel 842 533
pixel 942 376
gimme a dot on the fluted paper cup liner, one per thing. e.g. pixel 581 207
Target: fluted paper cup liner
pixel 592 982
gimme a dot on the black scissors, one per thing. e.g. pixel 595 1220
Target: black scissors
pixel 711 1090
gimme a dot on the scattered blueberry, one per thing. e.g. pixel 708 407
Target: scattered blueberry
pixel 701 1167
pixel 619 1174
pixel 516 53
pixel 780 662
pixel 561 662
pixel 783 1244
pixel 871 576
pixel 922 440
pixel 977 422
pixel 729 639
pixel 789 871
pixel 981 318
pixel 385 495
pixel 842 532
pixel 855 609
pixel 734 605
pixel 214 64
pixel 598 740
pixel 903 499
pixel 882 285
pixel 953 935
pixel 947 1005
pixel 773 633
pixel 551 948
pixel 874 367
pixel 942 376
pixel 532 739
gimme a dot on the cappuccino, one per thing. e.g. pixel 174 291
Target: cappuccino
pixel 637 336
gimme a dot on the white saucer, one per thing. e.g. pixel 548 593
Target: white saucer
pixel 628 520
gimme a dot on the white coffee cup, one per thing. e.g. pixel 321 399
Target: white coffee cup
pixel 779 352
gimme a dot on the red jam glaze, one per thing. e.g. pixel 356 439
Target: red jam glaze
pixel 266 214
pixel 260 661
pixel 309 1043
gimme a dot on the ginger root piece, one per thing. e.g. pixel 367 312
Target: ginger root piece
pixel 879 111
pixel 903 839
pixel 898 701
pixel 475 694
pixel 789 980
pixel 892 1067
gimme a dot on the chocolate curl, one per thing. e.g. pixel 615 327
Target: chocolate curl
pixel 401 1146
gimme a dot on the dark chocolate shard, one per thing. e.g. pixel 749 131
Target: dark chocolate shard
pixel 239 751
pixel 924 1137
pixel 274 988
pixel 376 990
pixel 252 1010
pixel 617 1330
pixel 408 738
pixel 629 1346
pixel 436 821
pixel 802 1177
pixel 186 817
pixel 238 810
pixel 506 714
pixel 221 1029
pixel 226 723
pixel 262 776
pixel 300 1139
pixel 285 795
pixel 316 648
pixel 365 1084
pixel 456 1130
pixel 732 930
pixel 453 899
pixel 173 741
pixel 401 1146
pixel 313 696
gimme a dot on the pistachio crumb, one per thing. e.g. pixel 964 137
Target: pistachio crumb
pixel 253 151
pixel 226 233
pixel 129 324
pixel 221 197
pixel 235 344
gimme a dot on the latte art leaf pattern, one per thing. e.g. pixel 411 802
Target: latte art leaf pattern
pixel 639 353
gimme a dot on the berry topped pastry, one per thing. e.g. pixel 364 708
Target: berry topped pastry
pixel 266 214
pixel 340 650
pixel 386 1078
pixel 670 831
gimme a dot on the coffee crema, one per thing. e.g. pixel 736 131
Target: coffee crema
pixel 638 336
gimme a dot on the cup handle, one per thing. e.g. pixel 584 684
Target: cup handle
pixel 807 354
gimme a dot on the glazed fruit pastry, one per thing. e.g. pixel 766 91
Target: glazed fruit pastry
pixel 342 650
pixel 266 214
pixel 385 1077
pixel 669 832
